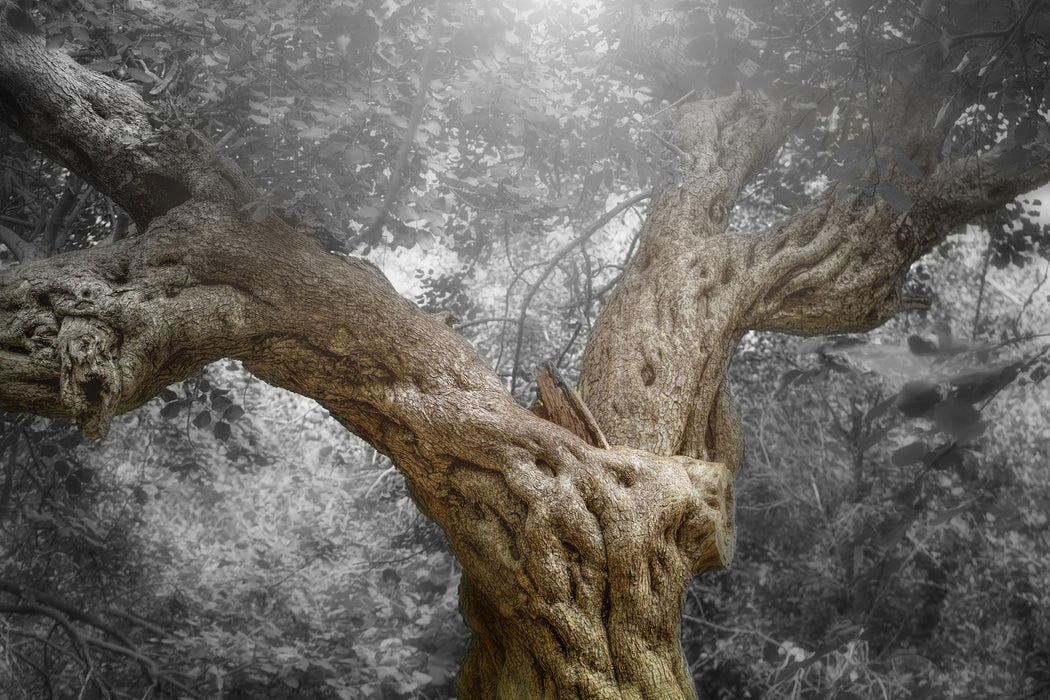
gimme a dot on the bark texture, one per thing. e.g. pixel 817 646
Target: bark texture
pixel 576 556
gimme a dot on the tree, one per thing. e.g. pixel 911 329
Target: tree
pixel 578 531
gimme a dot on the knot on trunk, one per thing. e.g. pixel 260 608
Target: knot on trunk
pixel 90 379
pixel 576 559
pixel 707 535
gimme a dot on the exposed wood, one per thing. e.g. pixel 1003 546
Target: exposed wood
pixel 561 404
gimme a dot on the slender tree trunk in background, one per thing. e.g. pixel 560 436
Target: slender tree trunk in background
pixel 576 556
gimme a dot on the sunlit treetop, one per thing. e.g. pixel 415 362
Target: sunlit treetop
pixel 535 113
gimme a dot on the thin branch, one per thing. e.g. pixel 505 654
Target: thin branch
pixel 23 250
pixel 372 234
pixel 1040 280
pixel 980 288
pixel 75 637
pixel 481 321
pixel 808 29
pixel 135 619
pixel 72 193
pixel 73 612
pixel 45 676
pixel 518 275
pixel 556 258
pixel 669 107
pixel 9 478
pixel 15 221
pixel 732 630
pixel 64 614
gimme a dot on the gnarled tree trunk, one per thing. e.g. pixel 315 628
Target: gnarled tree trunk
pixel 576 556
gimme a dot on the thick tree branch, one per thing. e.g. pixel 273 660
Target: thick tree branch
pixel 585 547
pixel 835 267
pixel 654 371
pixel 103 131
pixel 93 334
pixel 656 361
pixel 545 524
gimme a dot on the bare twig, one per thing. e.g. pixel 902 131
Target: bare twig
pixel 556 258
pixel 64 613
pixel 83 643
pixel 669 107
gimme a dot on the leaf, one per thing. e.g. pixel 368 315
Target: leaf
pixel 73 486
pixel 221 431
pixel 974 387
pixel 76 481
pixel 909 454
pixel 942 113
pixel 944 456
pixel 72 440
pixel 662 30
pixel 897 198
pixel 891 532
pixel 796 377
pixel 232 413
pixel 879 409
pixel 920 346
pixel 202 420
pixel 917 397
pixel 366 213
pixel 907 166
pixel 170 410
pixel 201 651
pixel 314 133
pixel 959 419
pixel 103 66
pixel 947 515
pixel 875 438
pixel 220 402
pixel 141 76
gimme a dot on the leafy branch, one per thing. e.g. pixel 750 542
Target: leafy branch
pixel 372 234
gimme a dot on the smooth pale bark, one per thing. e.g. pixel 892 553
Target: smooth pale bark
pixel 576 557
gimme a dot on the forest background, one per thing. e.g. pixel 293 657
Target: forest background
pixel 893 510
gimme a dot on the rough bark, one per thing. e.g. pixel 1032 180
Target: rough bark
pixel 575 556
pixel 571 551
